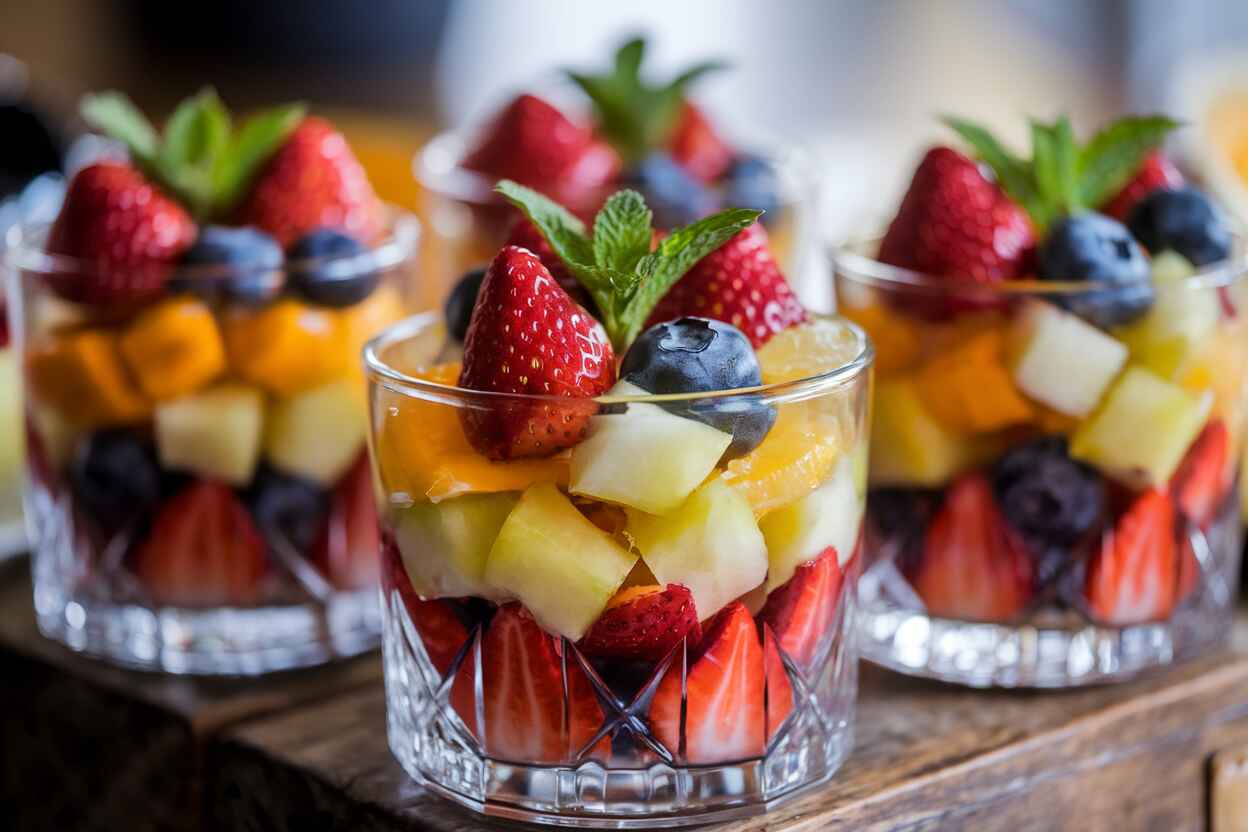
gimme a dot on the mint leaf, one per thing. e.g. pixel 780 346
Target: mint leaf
pixel 256 141
pixel 564 232
pixel 628 59
pixel 1113 156
pixel 195 139
pixel 622 232
pixel 1054 160
pixel 1013 174
pixel 115 115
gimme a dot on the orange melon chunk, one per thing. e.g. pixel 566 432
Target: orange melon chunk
pixel 81 375
pixel 173 348
pixel 970 390
pixel 288 347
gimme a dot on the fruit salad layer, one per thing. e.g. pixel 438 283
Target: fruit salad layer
pixel 192 324
pixel 577 514
pixel 1061 360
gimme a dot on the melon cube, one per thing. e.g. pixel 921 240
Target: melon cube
pixel 1063 361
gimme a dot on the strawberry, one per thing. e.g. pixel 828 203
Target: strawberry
pixel 954 222
pixel 802 610
pixel 346 548
pixel 1134 576
pixel 126 232
pixel 1203 477
pixel 202 550
pixel 725 694
pixel 527 336
pixel 1155 172
pixel 696 146
pixel 974 566
pixel 525 235
pixel 438 622
pixel 643 623
pixel 779 687
pixel 312 181
pixel 740 283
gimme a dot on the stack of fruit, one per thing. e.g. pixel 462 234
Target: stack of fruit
pixel 1059 411
pixel 678 556
pixel 191 330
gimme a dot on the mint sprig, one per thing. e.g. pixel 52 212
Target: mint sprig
pixel 615 264
pixel 1063 176
pixel 199 159
pixel 634 116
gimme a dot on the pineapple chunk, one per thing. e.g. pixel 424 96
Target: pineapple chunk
pixel 214 433
pixel 445 545
pixel 317 434
pixel 799 532
pixel 909 446
pixel 1061 360
pixel 1178 325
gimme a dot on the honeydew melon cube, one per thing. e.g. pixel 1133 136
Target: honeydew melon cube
pixel 445 546
pixel 799 532
pixel 909 446
pixel 1061 360
pixel 318 433
pixel 1182 319
pixel 215 433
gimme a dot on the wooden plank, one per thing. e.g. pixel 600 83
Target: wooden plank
pixel 929 756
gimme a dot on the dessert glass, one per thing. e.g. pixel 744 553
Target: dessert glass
pixel 491 710
pixel 949 406
pixel 197 482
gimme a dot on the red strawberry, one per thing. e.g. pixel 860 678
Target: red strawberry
pixel 802 610
pixel 525 234
pixel 439 624
pixel 779 688
pixel 724 715
pixel 128 233
pixel 975 566
pixel 741 283
pixel 528 337
pixel 313 181
pixel 1156 171
pixel 202 550
pixel 697 147
pixel 643 623
pixel 1134 577
pixel 954 222
pixel 1203 477
pixel 346 548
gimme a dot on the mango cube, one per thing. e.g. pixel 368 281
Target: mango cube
pixel 173 348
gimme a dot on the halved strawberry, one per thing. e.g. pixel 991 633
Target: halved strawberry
pixel 643 623
pixel 1134 576
pixel 439 624
pixel 1203 477
pixel 723 717
pixel 202 550
pixel 801 611
pixel 346 549
pixel 696 146
pixel 1156 171
pixel 779 688
pixel 974 566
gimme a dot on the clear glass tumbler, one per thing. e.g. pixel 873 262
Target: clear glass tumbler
pixel 197 480
pixel 1053 499
pixel 503 585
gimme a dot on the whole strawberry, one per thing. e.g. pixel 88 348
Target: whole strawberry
pixel 312 181
pixel 525 235
pixel 127 232
pixel 740 283
pixel 697 147
pixel 1156 172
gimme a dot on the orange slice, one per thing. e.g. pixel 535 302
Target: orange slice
pixel 794 459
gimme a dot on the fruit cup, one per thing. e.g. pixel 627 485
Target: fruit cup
pixel 12 532
pixel 195 401
pixel 1057 437
pixel 648 626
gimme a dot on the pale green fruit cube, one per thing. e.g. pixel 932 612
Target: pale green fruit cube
pixel 214 433
pixel 317 434
pixel 1179 324
pixel 799 532
pixel 908 445
pixel 445 545
pixel 1061 360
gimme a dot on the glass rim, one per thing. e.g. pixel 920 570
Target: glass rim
pixel 23 250
pixel 381 372
pixel 851 261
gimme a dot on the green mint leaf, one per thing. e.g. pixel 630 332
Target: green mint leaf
pixel 1113 156
pixel 195 140
pixel 628 59
pixel 115 115
pixel 622 232
pixel 1054 163
pixel 564 232
pixel 693 73
pixel 616 111
pixel 1013 174
pixel 252 146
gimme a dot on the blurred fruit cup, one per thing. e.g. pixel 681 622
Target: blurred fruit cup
pixel 1053 502
pixel 647 625
pixel 12 529
pixel 197 476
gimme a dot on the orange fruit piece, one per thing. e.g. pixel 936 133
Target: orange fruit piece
pixel 81 375
pixel 968 388
pixel 369 317
pixel 173 348
pixel 896 339
pixel 288 347
pixel 794 459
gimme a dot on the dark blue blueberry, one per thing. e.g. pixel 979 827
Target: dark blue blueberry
pixel 673 194
pixel 1182 220
pixel 752 182
pixel 1094 248
pixel 695 355
pixel 243 265
pixel 323 271
pixel 459 303
pixel 115 477
pixel 286 505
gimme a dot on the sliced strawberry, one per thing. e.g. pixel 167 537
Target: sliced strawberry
pixel 1155 172
pixel 975 566
pixel 1189 570
pixel 723 718
pixel 346 547
pixel 125 231
pixel 202 550
pixel 1134 576
pixel 438 622
pixel 801 611
pixel 696 146
pixel 1203 477
pixel 313 181
pixel 643 623
pixel 779 688
pixel 527 336
pixel 740 283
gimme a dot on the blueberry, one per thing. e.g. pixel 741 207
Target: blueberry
pixel 752 182
pixel 673 194
pixel 694 355
pixel 115 477
pixel 459 303
pixel 248 266
pixel 286 505
pixel 1094 248
pixel 1182 220
pixel 324 272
